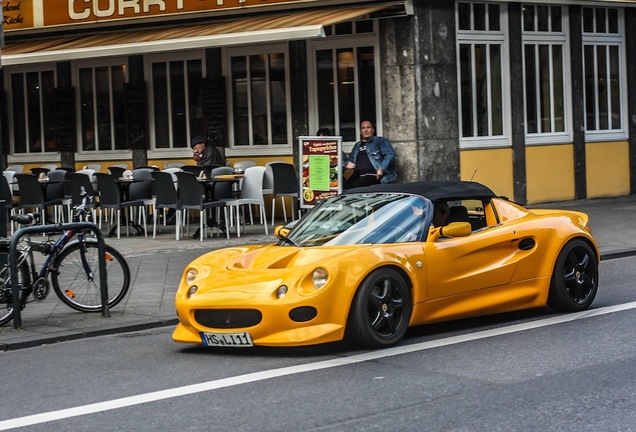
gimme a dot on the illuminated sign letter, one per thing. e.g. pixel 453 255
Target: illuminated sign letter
pixel 124 4
pixel 160 3
pixel 108 12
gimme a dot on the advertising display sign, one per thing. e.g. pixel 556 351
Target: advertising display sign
pixel 321 168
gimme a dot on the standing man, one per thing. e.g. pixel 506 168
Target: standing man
pixel 370 159
pixel 204 154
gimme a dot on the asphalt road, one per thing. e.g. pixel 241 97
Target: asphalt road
pixel 527 371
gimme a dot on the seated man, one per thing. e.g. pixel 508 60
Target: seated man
pixel 440 213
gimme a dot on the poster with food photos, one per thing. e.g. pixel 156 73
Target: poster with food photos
pixel 320 168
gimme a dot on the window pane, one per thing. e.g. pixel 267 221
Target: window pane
pixel 240 101
pixel 178 101
pixel 603 83
pixel 364 26
pixel 532 119
pixel 557 25
pixel 195 106
pixel 543 18
pixel 481 90
pixel 590 80
pixel 345 28
pixel 325 90
pixel 559 96
pixel 366 88
pixel 258 80
pixel 160 105
pixel 33 112
pixel 600 20
pixel 493 17
pixel 496 90
pixel 48 110
pixel 588 20
pixel 615 88
pixel 119 107
pixel 528 18
pixel 102 98
pixel 278 97
pixel 544 86
pixel 612 18
pixel 87 114
pixel 465 60
pixel 463 12
pixel 479 16
pixel 18 110
pixel 346 94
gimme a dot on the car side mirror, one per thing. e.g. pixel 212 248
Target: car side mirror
pixel 281 231
pixel 453 229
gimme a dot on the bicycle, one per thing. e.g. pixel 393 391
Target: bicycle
pixel 73 267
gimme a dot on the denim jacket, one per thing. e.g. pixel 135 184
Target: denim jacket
pixel 381 155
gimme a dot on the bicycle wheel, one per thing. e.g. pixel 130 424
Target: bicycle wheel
pixel 6 295
pixel 82 291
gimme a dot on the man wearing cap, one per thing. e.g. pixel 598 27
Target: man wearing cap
pixel 204 154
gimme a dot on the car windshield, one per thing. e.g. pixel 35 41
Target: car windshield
pixel 377 218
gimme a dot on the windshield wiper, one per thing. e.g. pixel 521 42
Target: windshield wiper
pixel 287 240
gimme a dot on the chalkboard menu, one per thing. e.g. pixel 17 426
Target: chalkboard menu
pixel 136 119
pixel 214 111
pixel 65 133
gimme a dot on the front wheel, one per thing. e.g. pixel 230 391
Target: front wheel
pixel 381 310
pixel 77 283
pixel 6 295
pixel 575 278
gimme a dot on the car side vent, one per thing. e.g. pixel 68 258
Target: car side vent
pixel 526 244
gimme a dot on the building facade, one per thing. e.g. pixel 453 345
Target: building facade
pixel 530 98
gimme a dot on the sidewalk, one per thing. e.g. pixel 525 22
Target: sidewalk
pixel 157 264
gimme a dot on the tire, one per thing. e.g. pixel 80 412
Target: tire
pixel 6 297
pixel 381 310
pixel 74 288
pixel 574 281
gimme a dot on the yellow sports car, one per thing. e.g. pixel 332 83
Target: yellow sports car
pixel 369 263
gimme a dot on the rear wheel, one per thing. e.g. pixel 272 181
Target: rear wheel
pixel 6 294
pixel 575 278
pixel 381 310
pixel 81 290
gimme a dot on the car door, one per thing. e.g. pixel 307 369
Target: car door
pixel 484 259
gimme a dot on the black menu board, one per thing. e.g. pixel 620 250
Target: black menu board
pixel 214 111
pixel 136 119
pixel 65 133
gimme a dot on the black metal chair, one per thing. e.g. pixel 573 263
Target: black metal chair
pixel 39 170
pixel 192 197
pixel 59 190
pixel 285 185
pixel 32 196
pixel 116 171
pixel 192 169
pixel 166 197
pixel 110 196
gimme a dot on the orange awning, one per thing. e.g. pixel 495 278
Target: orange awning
pixel 295 25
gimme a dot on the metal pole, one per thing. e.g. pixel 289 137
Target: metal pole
pixel 3 199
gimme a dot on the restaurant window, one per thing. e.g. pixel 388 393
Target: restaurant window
pixel 259 98
pixel 604 73
pixel 345 79
pixel 545 71
pixel 176 106
pixel 481 39
pixel 102 107
pixel 32 112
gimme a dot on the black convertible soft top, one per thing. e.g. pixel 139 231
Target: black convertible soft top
pixel 433 190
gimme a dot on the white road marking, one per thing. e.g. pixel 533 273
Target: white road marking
pixel 291 370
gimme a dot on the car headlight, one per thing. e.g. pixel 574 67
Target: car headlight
pixel 320 277
pixel 191 275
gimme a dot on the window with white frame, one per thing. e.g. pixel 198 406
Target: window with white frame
pixel 604 73
pixel 259 98
pixel 176 105
pixel 545 68
pixel 344 78
pixel 102 106
pixel 482 59
pixel 31 112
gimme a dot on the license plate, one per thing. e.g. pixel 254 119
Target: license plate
pixel 242 339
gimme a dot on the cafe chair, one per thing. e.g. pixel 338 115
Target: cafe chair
pixel 80 182
pixel 173 165
pixel 192 197
pixel 110 196
pixel 166 197
pixel 13 184
pixel 60 190
pixel 117 171
pixel 241 166
pixel 9 203
pixel 32 196
pixel 285 185
pixel 96 167
pixel 192 169
pixel 251 194
pixel 16 168
pixel 39 170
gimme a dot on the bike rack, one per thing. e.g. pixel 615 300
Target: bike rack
pixel 55 228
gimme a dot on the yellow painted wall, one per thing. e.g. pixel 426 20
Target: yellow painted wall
pixel 607 171
pixel 550 173
pixel 491 167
